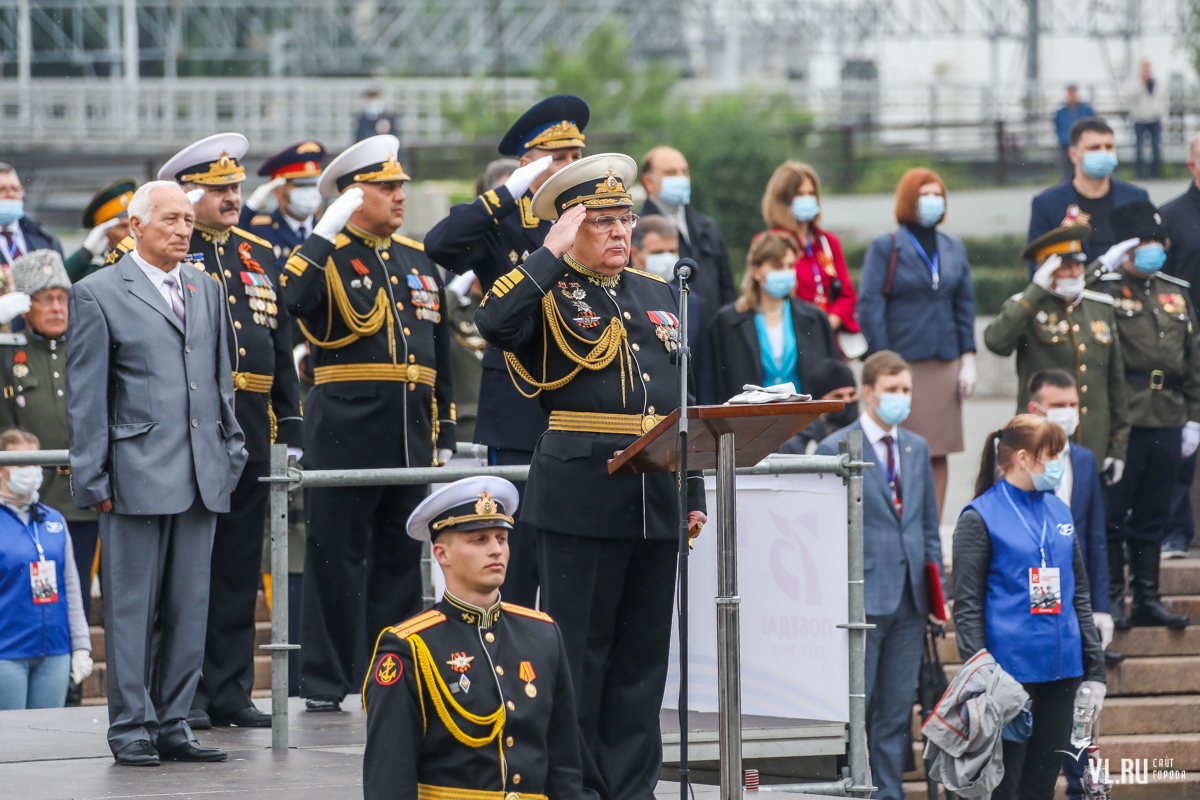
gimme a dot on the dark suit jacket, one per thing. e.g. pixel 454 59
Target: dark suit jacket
pixel 1087 507
pixel 36 238
pixel 701 364
pixel 704 243
pixel 1050 206
pixel 737 358
pixel 1181 217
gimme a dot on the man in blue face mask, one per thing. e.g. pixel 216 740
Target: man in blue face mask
pixel 1092 189
pixel 19 234
pixel 1160 341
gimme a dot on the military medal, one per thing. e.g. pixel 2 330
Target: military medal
pixel 1172 303
pixel 20 370
pixel 247 259
pixel 425 298
pixel 460 662
pixel 584 316
pixel 527 675
pixel 1101 332
pixel 666 328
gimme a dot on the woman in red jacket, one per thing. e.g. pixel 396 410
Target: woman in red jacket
pixel 791 207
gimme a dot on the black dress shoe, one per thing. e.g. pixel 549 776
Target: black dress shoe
pixel 194 751
pixel 1113 656
pixel 137 754
pixel 198 719
pixel 322 703
pixel 248 717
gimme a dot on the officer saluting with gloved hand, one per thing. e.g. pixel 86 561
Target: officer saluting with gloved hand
pixel 371 304
pixel 1160 341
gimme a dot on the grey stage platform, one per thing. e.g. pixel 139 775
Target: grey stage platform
pixel 62 753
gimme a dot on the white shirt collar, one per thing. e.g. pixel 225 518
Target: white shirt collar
pixel 156 275
pixel 873 431
pixel 296 224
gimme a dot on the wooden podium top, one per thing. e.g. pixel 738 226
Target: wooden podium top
pixel 758 430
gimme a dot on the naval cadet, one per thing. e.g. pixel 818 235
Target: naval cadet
pixel 283 209
pixel 107 219
pixel 1160 343
pixel 1057 323
pixel 471 700
pixel 267 404
pixel 372 306
pixel 490 236
pixel 596 339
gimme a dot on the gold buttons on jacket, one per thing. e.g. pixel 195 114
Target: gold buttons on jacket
pixel 509 741
pixel 407 332
pixel 415 272
pixel 228 274
pixel 232 299
pixel 237 325
pixel 636 348
pixel 241 351
pixel 1083 410
pixel 645 376
pixel 384 255
pixel 1083 367
pixel 395 279
pixel 627 316
pixel 1083 348
pixel 511 706
pixel 412 387
pixel 499 670
pixel 220 251
pixel 412 360
pixel 1083 389
pixel 399 306
pixel 650 410
pixel 489 637
pixel 516 779
pixel 1075 327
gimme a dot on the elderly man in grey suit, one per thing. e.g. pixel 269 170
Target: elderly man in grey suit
pixel 155 448
pixel 900 536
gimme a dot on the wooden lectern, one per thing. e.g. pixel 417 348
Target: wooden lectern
pixel 725 438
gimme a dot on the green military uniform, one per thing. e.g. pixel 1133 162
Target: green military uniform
pixel 467 352
pixel 109 203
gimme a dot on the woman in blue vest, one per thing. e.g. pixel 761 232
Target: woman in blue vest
pixel 1021 593
pixel 44 639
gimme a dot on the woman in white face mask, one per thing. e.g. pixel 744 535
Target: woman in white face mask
pixel 44 639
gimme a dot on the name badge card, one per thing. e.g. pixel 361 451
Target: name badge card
pixel 43 576
pixel 1045 591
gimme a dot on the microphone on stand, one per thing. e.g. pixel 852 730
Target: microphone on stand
pixel 684 268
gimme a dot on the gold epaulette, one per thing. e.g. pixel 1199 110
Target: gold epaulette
pixel 260 219
pixel 526 612
pixel 123 247
pixel 296 264
pixel 252 237
pixel 418 623
pixel 404 240
pixel 340 241
pixel 644 274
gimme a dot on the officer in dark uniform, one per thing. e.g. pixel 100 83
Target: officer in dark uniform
pixel 463 294
pixel 1160 341
pixel 372 306
pixel 596 339
pixel 491 235
pixel 282 209
pixel 471 700
pixel 107 219
pixel 267 404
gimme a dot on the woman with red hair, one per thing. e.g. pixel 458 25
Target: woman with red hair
pixel 917 300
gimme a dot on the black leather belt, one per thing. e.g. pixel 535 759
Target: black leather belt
pixel 1156 379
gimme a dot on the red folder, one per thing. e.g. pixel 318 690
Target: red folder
pixel 937 599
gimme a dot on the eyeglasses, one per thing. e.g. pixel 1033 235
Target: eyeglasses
pixel 607 222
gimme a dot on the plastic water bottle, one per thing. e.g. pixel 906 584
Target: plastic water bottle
pixel 1081 722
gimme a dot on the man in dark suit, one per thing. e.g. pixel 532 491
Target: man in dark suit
pixel 156 449
pixel 1093 190
pixel 668 187
pixel 19 234
pixel 375 119
pixel 900 537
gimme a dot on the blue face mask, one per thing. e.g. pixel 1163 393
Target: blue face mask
pixel 805 208
pixel 930 209
pixel 780 283
pixel 11 211
pixel 676 190
pixel 1048 480
pixel 1099 163
pixel 894 407
pixel 1149 257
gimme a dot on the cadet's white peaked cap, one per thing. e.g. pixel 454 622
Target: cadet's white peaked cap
pixel 469 504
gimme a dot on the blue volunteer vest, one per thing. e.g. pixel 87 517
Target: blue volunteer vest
pixel 1030 647
pixel 30 630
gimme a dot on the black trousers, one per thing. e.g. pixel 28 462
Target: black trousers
pixel 521 580
pixel 227 677
pixel 84 538
pixel 1139 507
pixel 1031 767
pixel 612 600
pixel 357 550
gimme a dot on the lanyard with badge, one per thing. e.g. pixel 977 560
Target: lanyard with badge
pixel 1045 587
pixel 934 271
pixel 43 574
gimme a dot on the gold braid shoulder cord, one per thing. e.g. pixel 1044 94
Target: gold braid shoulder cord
pixel 612 344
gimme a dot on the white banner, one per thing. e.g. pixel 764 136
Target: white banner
pixel 792 581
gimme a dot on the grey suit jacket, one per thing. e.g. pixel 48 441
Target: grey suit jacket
pixel 150 405
pixel 896 547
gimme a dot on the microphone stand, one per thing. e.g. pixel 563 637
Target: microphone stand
pixel 683 271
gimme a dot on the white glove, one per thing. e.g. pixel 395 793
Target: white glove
pixel 967 376
pixel 444 454
pixel 1096 699
pixel 1104 624
pixel 461 285
pixel 523 177
pixel 1044 277
pixel 263 200
pixel 1114 259
pixel 1191 438
pixel 338 214
pixel 13 305
pixel 194 196
pixel 97 238
pixel 298 452
pixel 81 665
pixel 1117 470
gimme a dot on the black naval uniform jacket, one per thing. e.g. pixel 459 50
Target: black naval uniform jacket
pixel 363 422
pixel 570 489
pixel 506 665
pixel 260 338
pixel 491 235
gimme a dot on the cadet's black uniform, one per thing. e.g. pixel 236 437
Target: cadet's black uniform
pixel 607 544
pixel 523 737
pixel 381 353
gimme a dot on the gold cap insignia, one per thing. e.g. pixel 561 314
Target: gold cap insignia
pixel 308 147
pixel 486 504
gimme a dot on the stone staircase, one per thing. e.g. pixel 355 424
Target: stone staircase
pixel 1152 710
pixel 94 688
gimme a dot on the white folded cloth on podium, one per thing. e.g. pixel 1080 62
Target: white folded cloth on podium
pixel 780 393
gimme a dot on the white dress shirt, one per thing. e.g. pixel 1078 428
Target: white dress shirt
pixel 1063 490
pixel 19 245
pixel 159 278
pixel 679 215
pixel 875 434
pixel 303 227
